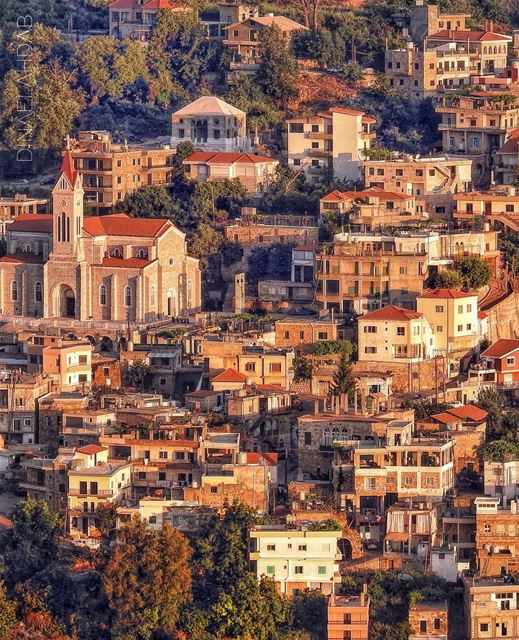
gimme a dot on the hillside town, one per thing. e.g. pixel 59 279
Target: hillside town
pixel 259 321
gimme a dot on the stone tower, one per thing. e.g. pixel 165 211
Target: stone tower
pixel 67 209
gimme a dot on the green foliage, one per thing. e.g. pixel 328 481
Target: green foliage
pixel 325 525
pixel 272 262
pixel 7 614
pixel 343 382
pixel 310 612
pixel 246 94
pixel 499 451
pixel 106 516
pixel 327 347
pixel 231 252
pixel 447 279
pixel 474 271
pixel 278 72
pixel 509 245
pixel 303 368
pixel 492 401
pixel 140 376
pixel 31 543
pixel 147 579
pixel 171 334
pixel 423 408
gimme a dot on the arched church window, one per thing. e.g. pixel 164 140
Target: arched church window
pixel 37 292
pixel 152 295
pixel 102 294
pixel 127 297
pixel 14 291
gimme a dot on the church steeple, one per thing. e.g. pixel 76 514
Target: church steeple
pixel 67 208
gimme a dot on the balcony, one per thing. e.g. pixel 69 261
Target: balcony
pixel 320 153
pixel 319 135
pixel 101 493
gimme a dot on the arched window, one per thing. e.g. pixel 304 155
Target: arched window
pixel 102 294
pixel 14 291
pixel 127 297
pixel 28 248
pixel 189 293
pixel 116 253
pixel 141 253
pixel 152 295
pixel 37 292
pixel 484 50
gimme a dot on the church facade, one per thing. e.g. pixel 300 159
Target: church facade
pixel 100 268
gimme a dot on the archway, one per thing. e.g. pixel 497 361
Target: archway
pixel 64 302
pixel 91 339
pixel 106 344
pixel 345 548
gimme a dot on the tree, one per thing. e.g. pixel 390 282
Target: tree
pixel 31 544
pixel 310 612
pixel 448 279
pixel 492 401
pixel 140 376
pixel 303 368
pixel 147 579
pixel 327 347
pixel 7 614
pixel 474 272
pixel 344 382
pixel 148 202
pixel 106 517
pixel 278 72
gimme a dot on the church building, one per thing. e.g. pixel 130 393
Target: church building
pixel 101 268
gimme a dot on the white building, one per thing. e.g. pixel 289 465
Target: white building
pixel 211 124
pixel 297 558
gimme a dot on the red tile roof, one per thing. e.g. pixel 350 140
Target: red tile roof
pixel 269 387
pixel 224 157
pixel 5 522
pixel 202 394
pixel 392 312
pixel 150 5
pixel 270 458
pixel 90 449
pixel 472 36
pixel 445 293
pixel 469 412
pixel 22 257
pixel 446 418
pixel 128 263
pixel 230 375
pixel 501 348
pixel 119 224
pixel 32 223
pixel 348 112
pixel 366 193
pixel 482 315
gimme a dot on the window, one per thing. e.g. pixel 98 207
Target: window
pixel 14 291
pixel 487 528
pixel 469 327
pixel 308 438
pixel 163 455
pixel 299 569
pixel 439 328
pixel 474 143
pixel 370 329
pixel 296 127
pixel 322 335
pixel 152 520
pixel 439 308
pixel 423 626
pixel 332 287
pixel 271 570
pixel 510 361
pixel 469 308
pixel 102 294
pixel 370 349
pixel 37 292
pixel 460 327
pixel 483 627
pixel 142 475
pixel 321 570
pixel 400 331
pixel 370 483
pixel 460 308
pixel 271 547
pixel 250 366
pixel 214 489
pixel 275 367
pixel 127 297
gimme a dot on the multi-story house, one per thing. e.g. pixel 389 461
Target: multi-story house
pixel 135 18
pixel 497 540
pixel 497 205
pixel 254 230
pixel 17 205
pixel 256 365
pixel 82 428
pixel 453 317
pixel 19 395
pixel 335 140
pixel 211 125
pixel 369 476
pixel 254 172
pixel 432 181
pixel 365 211
pixel 47 479
pixel 93 481
pixel 501 479
pixel 364 272
pixel 348 616
pixel 477 124
pixel 394 334
pixel 429 621
pixel 69 365
pixel 111 171
pixel 217 20
pixel 296 558
pixel 411 527
pixel 491 607
pixel 243 38
pixel 506 160
pixel 500 363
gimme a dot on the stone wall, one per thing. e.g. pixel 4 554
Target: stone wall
pixel 503 318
